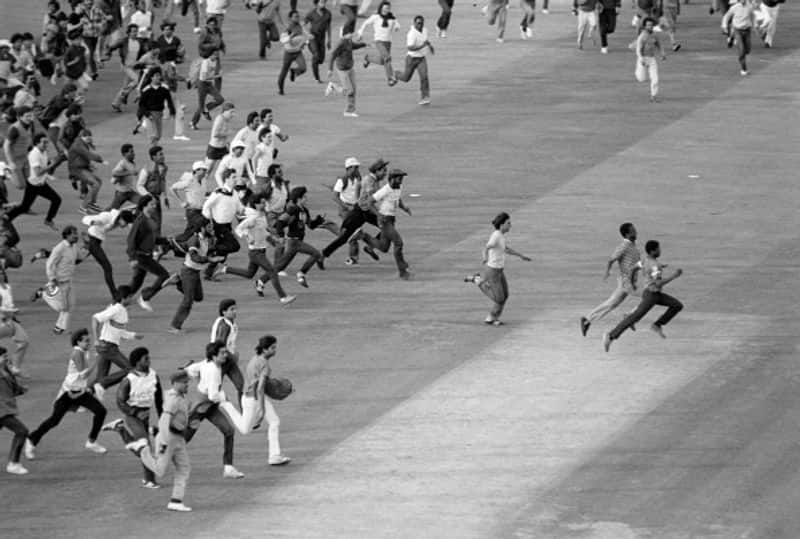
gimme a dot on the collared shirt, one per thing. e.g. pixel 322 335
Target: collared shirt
pixel 627 256
pixel 348 193
pixel 652 270
pixel 496 250
pixel 124 176
pixel 38 158
pixel 415 38
pixel 99 224
pixel 177 407
pixel 388 199
pixel 319 21
pixel 221 207
pixel 113 318
pixel 381 32
pixel 257 367
pixel 193 190
pixel 61 262
pixel 279 194
pixel 210 379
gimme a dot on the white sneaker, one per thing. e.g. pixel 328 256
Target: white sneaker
pixel 229 472
pixel 529 32
pixel 99 391
pixel 485 10
pixel 743 73
pixel 499 40
pixel 329 89
pixel 604 50
pixel 152 485
pixel 16 468
pixel 144 304
pixel 287 300
pixel 350 114
pixel 196 30
pixel 282 274
pixel 95 447
pixel 523 34
pixel 545 11
pixel 425 101
pixel 115 425
pixel 29 449
pixel 279 460
pixel 181 137
pixel 442 34
pixel 136 445
pixel 178 506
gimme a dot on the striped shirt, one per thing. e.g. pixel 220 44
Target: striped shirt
pixel 627 256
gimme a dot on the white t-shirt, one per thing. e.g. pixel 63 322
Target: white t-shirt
pixel 415 38
pixel 388 199
pixel 102 222
pixel 37 158
pixel 250 138
pixel 347 194
pixel 270 138
pixel 263 159
pixel 216 7
pixel 497 250
pixel 144 20
pixel 118 314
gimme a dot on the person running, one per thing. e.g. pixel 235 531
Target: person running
pixel 627 256
pixel 100 225
pixel 254 228
pixel 141 243
pixel 268 16
pixel 528 16
pixel 81 155
pixel 37 183
pixel 108 328
pixel 496 11
pixel 236 166
pixel 586 10
pixel 123 177
pixel 319 26
pixel 170 441
pixel 194 196
pixel 248 135
pixel 131 48
pixel 295 218
pixel 60 269
pixel 294 38
pixel 383 23
pixel 493 282
pixel 10 389
pixel 654 282
pixel 191 281
pixel 207 76
pixel 348 8
pixel 443 23
pixel 647 44
pixel 154 98
pixel 152 182
pixel 11 327
pixel 138 395
pixel 221 132
pixel 770 10
pixel 741 17
pixel 226 330
pixel 342 58
pixel 221 208
pixel 417 44
pixel 386 201
pixel 670 9
pixel 73 394
pixel 607 21
pixel 209 375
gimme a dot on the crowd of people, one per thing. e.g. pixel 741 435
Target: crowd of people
pixel 236 193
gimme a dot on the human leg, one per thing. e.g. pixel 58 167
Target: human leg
pixel 95 248
pixel 192 286
pixel 673 308
pixel 60 407
pixel 20 431
pixel 647 302
pixel 273 432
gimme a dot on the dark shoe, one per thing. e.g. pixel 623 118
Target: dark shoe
pixel 291 75
pixel 321 263
pixel 301 280
pixel 207 115
pixel 280 91
pixel 585 325
pixel 730 42
pixel 116 108
pixel 193 126
pixel 371 252
pixel 406 275
pixel 260 288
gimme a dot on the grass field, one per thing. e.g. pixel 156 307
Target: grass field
pixel 413 419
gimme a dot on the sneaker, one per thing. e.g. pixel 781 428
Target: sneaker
pixel 584 325
pixel 57 330
pixel 474 278
pixel 366 62
pixel 350 261
pixel 144 304
pixel 523 34
pixel 229 472
pixel 36 294
pixel 16 468
pixel 485 10
pixel 286 300
pixel 176 331
pixel 347 114
pixel 150 484
pixel 206 114
pixel 321 264
pixel 676 47
pixel 183 138
pixel 219 272
pixel 497 323
pixel 371 252
pixel 116 108
pixel 442 34
pixel 489 320
pixel 279 460
pixel 51 224
pixel 603 50
pixel 743 72
pixel 193 127
pixel 117 425
pixel 94 447
pixel 606 342
pixel 406 275
pixel 83 210
pixel 260 287
pixel 29 449
pixel 136 446
pixel 196 30
pixel 654 99
pixel 40 254
pixel 659 330
pixel 135 130
pixel 500 40
pixel 99 391
pixel 529 32
pixel 301 280
pixel 329 89
pixel 545 11
pixel 282 274
pixel 178 506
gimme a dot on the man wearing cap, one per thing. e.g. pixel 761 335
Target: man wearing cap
pixel 236 161
pixel 222 207
pixel 347 187
pixel 221 131
pixel 19 139
pixel 194 196
pixel 387 199
pixel 361 213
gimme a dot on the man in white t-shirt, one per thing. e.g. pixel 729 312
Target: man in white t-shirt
pixel 386 201
pixel 418 46
pixel 217 8
pixel 36 184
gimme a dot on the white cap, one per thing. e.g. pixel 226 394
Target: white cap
pixel 351 162
pixel 238 144
pixel 197 165
pixel 5 43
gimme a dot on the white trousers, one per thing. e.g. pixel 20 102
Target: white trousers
pixel 586 19
pixel 252 414
pixel 769 22
pixel 648 66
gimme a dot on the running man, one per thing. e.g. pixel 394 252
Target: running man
pixel 741 16
pixel 654 281
pixel 383 24
pixel 626 255
pixel 647 44
pixel 418 44
pixel 497 11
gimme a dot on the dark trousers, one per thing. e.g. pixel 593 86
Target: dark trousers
pixel 225 245
pixel 294 246
pixel 317 48
pixel 355 219
pixel 444 18
pixel 146 264
pixel 742 44
pixel 258 259
pixel 108 353
pixel 389 236
pixel 137 427
pixel 288 59
pixel 350 13
pixel 20 431
pixel 205 89
pixel 607 23
pixel 420 65
pixel 95 247
pixel 649 300
pixel 194 222
pixel 217 418
pixel 192 287
pixel 267 33
pixel 64 404
pixel 234 373
pixel 31 192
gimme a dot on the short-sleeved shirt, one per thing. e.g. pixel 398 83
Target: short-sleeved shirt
pixel 194 191
pixel 347 193
pixel 256 368
pixel 37 158
pixel 176 405
pixel 387 199
pixel 627 256
pixel 652 270
pixel 415 38
pixel 319 22
pixel 125 174
pixel 497 250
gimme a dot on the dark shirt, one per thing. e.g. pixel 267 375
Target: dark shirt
pixel 343 54
pixel 153 100
pixel 142 237
pixel 70 132
pixel 169 51
pixel 320 22
pixel 75 61
pixel 294 219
